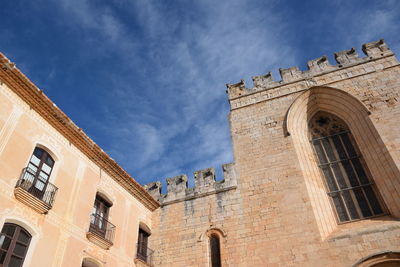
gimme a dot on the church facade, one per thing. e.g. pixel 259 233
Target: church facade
pixel 315 179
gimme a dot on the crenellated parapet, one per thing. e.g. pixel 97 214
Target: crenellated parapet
pixel 316 67
pixel 205 184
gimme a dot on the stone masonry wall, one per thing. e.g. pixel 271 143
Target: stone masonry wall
pixel 273 209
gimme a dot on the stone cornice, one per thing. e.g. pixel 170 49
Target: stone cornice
pixel 38 101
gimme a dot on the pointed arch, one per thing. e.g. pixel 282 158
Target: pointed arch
pixel 326 97
pixel 354 113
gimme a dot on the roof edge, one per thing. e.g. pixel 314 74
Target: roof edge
pixel 38 101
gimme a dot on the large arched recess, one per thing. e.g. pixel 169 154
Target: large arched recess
pixel 382 167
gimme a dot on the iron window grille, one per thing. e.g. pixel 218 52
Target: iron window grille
pixel 351 191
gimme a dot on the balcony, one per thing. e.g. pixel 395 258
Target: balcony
pixel 38 196
pixel 144 255
pixel 101 232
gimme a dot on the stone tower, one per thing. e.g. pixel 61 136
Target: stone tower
pixel 284 202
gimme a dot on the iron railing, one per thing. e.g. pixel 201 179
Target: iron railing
pixel 102 227
pixel 144 253
pixel 41 191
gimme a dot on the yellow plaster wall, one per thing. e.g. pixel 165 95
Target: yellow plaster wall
pixel 59 237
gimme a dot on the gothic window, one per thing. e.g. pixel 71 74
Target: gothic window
pixel 38 172
pixel 14 243
pixel 215 251
pixel 348 181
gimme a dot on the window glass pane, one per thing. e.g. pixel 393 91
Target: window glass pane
pixel 339 147
pixel 350 205
pixel 6 243
pixel 330 180
pixel 2 256
pixel 49 161
pixel 8 229
pixel 38 152
pixel 319 151
pixel 32 168
pixel 19 249
pixel 350 173
pixel 360 171
pixel 349 145
pixel 362 202
pixel 15 261
pixel 39 185
pixel 328 149
pixel 35 160
pixel 46 168
pixel 24 237
pixel 373 200
pixel 342 214
pixel 339 176
pixel 43 176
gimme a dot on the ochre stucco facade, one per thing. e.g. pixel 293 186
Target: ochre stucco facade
pixel 59 236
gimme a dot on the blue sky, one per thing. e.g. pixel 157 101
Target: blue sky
pixel 146 79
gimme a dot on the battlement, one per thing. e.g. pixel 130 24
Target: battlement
pixel 205 184
pixel 318 66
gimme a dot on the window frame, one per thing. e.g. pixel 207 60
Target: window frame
pixel 215 250
pixel 340 175
pixel 39 168
pixel 142 245
pixel 14 240
pixel 100 214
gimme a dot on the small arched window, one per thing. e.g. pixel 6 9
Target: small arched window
pixel 348 181
pixel 14 243
pixel 38 171
pixel 215 250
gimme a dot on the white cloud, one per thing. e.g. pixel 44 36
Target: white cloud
pixel 175 120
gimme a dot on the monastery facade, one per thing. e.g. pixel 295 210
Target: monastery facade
pixel 315 179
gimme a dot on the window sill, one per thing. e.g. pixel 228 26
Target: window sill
pixel 364 227
pixel 99 240
pixel 31 201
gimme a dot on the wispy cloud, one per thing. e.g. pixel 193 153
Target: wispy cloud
pixel 173 120
pixel 147 78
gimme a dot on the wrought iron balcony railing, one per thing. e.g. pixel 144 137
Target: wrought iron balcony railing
pixel 144 253
pixel 29 183
pixel 101 227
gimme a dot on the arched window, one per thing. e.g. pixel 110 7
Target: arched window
pixel 87 262
pixel 348 181
pixel 38 172
pixel 14 243
pixel 215 251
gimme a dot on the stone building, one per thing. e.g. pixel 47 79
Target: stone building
pixel 63 201
pixel 315 179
